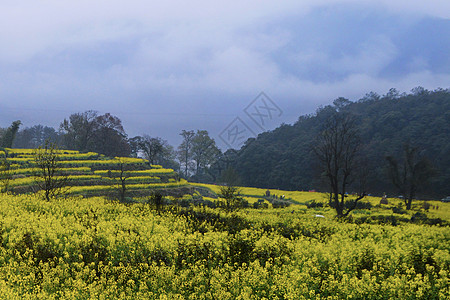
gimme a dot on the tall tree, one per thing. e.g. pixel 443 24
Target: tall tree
pixel 10 134
pixel 120 177
pixel 109 136
pixel 152 148
pixel 185 150
pixel 412 173
pixel 79 130
pixel 337 148
pixel 204 150
pixel 90 132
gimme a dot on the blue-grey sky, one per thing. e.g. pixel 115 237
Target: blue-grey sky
pixel 164 66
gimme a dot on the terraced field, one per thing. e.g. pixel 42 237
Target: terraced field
pixel 91 174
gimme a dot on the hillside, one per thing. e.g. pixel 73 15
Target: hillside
pixel 283 158
pixel 91 174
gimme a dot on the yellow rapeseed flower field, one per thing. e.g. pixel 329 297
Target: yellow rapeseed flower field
pixel 94 248
pixel 180 247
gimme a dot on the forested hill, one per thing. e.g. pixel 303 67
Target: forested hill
pixel 283 158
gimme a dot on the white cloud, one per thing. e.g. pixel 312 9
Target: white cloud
pixel 30 27
pixel 373 56
pixel 178 56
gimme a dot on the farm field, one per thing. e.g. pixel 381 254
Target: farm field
pixel 304 199
pixel 83 246
pixel 91 174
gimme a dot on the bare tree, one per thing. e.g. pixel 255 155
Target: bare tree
pixel 185 150
pixel 337 148
pixel 411 174
pixel 152 148
pixel 48 176
pixel 120 178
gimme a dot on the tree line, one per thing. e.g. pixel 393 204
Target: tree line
pixel 90 131
pixel 404 139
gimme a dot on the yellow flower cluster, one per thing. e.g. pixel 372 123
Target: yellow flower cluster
pixel 17 170
pixel 18 151
pixel 78 248
pixel 65 156
pixel 130 186
pixel 148 172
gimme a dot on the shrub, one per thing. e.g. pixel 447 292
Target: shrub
pixel 157 200
pixel 399 210
pixel 313 204
pixel 241 248
pixel 280 204
pixel 260 204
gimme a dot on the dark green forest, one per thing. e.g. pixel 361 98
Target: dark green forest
pixel 284 159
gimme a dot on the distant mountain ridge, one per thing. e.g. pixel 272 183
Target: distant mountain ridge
pixel 283 158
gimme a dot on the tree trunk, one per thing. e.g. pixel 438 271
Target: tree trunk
pixel 408 203
pixel 338 206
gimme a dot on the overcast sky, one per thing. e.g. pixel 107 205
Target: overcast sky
pixel 164 66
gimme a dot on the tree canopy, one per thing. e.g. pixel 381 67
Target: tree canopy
pixel 283 158
pixel 89 131
pixel 8 135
